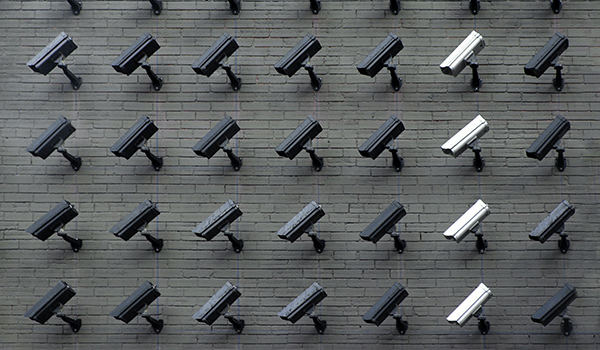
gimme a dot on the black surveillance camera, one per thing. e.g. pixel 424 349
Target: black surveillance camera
pixel 382 57
pixel 136 304
pixel 52 55
pixel 555 222
pixel 52 303
pixel 305 304
pixel 235 6
pixel 75 6
pixel 385 223
pixel 136 221
pixel 474 6
pixel 548 56
pixel 53 222
pixel 218 305
pixel 137 55
pixel 52 139
pixel 550 139
pixel 395 6
pixel 303 222
pixel 556 6
pixel 387 305
pixel 384 138
pixel 217 138
pixel 298 57
pixel 215 57
pixel 135 138
pixel 300 139
pixel 157 6
pixel 557 306
pixel 219 221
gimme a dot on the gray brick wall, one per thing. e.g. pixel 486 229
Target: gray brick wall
pixel 435 188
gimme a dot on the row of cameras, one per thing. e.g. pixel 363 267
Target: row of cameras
pixel 216 57
pixel 315 6
pixel 218 137
pixel 305 304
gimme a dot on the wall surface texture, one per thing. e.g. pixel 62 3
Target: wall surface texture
pixel 435 188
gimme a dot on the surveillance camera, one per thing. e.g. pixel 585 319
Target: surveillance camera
pixel 305 304
pixel 462 56
pixel 215 57
pixel 385 223
pixel 468 221
pixel 136 221
pixel 137 55
pixel 549 139
pixel 556 306
pixel 219 221
pixel 52 303
pixel 303 222
pixel 52 55
pixel 76 6
pixel 395 6
pixel 300 139
pixel 548 56
pixel 217 138
pixel 466 138
pixel 135 138
pixel 471 306
pixel 235 6
pixel 52 139
pixel 219 305
pixel 53 222
pixel 299 57
pixel 157 6
pixel 384 138
pixel 387 305
pixel 382 57
pixel 136 304
pixel 556 6
pixel 555 222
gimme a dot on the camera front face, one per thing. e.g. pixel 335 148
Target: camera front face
pixel 293 59
pixel 294 143
pixel 211 59
pixel 211 142
pixel 45 61
pixel 49 140
pixel 144 47
pixel 385 51
pixel 59 295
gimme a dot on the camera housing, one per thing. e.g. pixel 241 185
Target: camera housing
pixel 136 221
pixel 217 138
pixel 219 221
pixel 218 305
pixel 557 306
pixel 52 303
pixel 470 307
pixel 53 222
pixel 305 304
pixel 385 223
pixel 555 222
pixel 470 222
pixel 387 305
pixel 548 56
pixel 466 138
pixel 136 304
pixel 298 57
pixel 382 57
pixel 301 139
pixel 463 56
pixel 52 55
pixel 135 139
pixel 550 139
pixel 303 222
pixel 384 138
pixel 52 139
pixel 216 56
pixel 137 55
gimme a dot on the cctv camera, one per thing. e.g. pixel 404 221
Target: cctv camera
pixel 76 6
pixel 136 304
pixel 135 138
pixel 470 222
pixel 53 222
pixel 215 57
pixel 298 57
pixel 52 139
pixel 219 305
pixel 464 55
pixel 384 138
pixel 466 138
pixel 555 222
pixel 549 139
pixel 136 221
pixel 387 305
pixel 137 55
pixel 52 303
pixel 219 221
pixel 548 56
pixel 52 55
pixel 303 222
pixel 556 306
pixel 385 223
pixel 382 57
pixel 157 6
pixel 305 304
pixel 300 139
pixel 395 6
pixel 471 306
pixel 217 138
